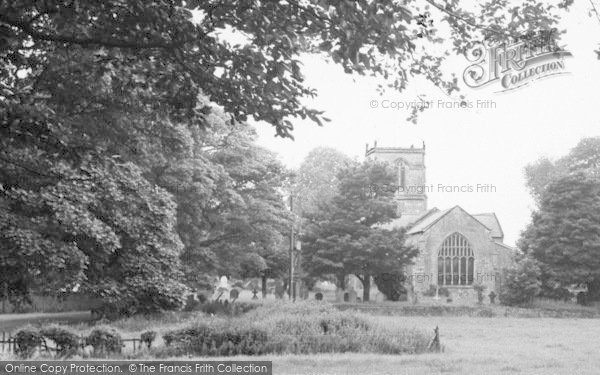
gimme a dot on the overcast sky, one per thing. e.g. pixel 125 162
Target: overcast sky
pixel 464 146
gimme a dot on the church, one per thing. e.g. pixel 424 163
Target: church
pixel 457 249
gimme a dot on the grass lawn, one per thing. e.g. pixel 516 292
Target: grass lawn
pixel 472 346
pixel 9 322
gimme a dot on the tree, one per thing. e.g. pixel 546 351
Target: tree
pixel 564 235
pixel 173 50
pixel 346 237
pixel 252 216
pixel 103 228
pixel 316 181
pixel 521 283
pixel 585 156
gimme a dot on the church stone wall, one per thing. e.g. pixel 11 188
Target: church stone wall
pixel 486 252
pixel 412 156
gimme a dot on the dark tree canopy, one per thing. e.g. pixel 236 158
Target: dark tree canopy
pixel 170 51
pixel 585 157
pixel 564 235
pixel 346 235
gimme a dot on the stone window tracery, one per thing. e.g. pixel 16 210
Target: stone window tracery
pixel 456 261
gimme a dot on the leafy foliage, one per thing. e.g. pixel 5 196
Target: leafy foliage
pixel 316 181
pixel 148 337
pixel 27 340
pixel 584 157
pixel 392 285
pixel 564 233
pixel 346 237
pixel 521 283
pixel 67 342
pixel 105 341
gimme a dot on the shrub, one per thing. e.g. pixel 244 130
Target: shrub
pixel 299 328
pixel 522 283
pixel 486 313
pixel 230 309
pixel 148 338
pixel 202 297
pixel 105 341
pixel 138 295
pixel 216 340
pixel 27 340
pixel 191 303
pixel 67 342
pixel 391 285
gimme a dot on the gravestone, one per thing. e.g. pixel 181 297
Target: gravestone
pixel 223 283
pixel 234 294
pixel 279 290
pixel 351 296
pixel 492 297
pixel 319 296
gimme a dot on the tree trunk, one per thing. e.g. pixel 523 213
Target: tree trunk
pixel 341 279
pixel 264 286
pixel 593 290
pixel 366 282
pixel 5 297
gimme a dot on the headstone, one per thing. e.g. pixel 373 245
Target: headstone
pixel 319 296
pixel 254 293
pixel 351 296
pixel 279 290
pixel 234 294
pixel 492 297
pixel 223 282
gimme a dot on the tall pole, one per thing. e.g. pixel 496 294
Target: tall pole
pixel 291 276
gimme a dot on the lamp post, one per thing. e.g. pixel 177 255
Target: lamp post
pixel 291 251
pixel 297 269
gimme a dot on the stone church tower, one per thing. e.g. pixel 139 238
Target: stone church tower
pixel 411 193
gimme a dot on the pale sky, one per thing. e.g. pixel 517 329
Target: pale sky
pixel 464 146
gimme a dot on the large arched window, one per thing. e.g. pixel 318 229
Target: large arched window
pixel 455 261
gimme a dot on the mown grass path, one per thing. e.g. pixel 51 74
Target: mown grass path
pixel 8 322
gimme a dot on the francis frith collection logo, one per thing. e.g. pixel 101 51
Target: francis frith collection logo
pixel 514 65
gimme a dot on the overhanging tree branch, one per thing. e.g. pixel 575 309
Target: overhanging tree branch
pixel 465 20
pixel 27 28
